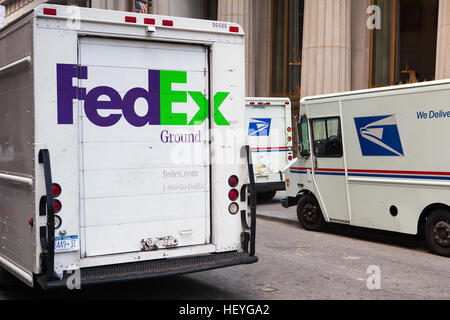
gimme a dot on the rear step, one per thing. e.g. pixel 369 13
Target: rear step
pixel 152 269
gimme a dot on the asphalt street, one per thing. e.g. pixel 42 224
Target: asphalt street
pixel 295 264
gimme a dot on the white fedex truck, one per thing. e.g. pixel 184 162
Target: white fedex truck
pixel 269 132
pixel 118 155
pixel 377 158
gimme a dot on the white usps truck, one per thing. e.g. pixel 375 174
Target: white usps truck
pixel 269 132
pixel 118 155
pixel 377 158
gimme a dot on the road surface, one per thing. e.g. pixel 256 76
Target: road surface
pixel 295 264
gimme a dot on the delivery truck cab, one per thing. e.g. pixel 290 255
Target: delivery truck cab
pixel 119 158
pixel 378 159
pixel 269 133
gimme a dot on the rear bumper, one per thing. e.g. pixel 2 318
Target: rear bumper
pixel 270 186
pixel 151 269
pixel 289 202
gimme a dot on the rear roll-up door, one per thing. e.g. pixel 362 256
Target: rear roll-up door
pixel 144 175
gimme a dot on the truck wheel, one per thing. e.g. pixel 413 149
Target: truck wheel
pixel 7 280
pixel 437 232
pixel 309 214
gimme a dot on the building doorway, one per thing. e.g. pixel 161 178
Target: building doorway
pixel 287 39
pixel 404 49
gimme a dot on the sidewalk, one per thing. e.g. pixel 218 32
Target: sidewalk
pixel 272 210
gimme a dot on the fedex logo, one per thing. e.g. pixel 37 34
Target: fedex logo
pixel 158 95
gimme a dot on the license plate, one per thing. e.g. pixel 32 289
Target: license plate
pixel 66 244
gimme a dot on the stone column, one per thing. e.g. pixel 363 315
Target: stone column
pixel 443 41
pixel 241 12
pixel 262 27
pixel 120 5
pixel 161 7
pixel 326 66
pixel 179 8
pixel 360 45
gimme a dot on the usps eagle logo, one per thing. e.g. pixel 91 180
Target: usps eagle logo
pixel 259 127
pixel 379 136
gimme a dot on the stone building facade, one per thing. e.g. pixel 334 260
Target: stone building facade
pixel 297 48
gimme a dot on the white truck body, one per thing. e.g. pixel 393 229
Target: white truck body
pixel 270 138
pixel 129 109
pixel 386 165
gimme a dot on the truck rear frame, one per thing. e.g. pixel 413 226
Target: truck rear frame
pixel 41 149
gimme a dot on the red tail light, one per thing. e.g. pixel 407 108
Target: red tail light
pixel 130 19
pixel 233 195
pixel 57 205
pixel 50 11
pixel 167 23
pixel 233 181
pixel 290 158
pixel 149 21
pixel 234 29
pixel 56 190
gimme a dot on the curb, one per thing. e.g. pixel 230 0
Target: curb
pixel 278 219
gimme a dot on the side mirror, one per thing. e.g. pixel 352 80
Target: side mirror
pixel 303 153
pixel 301 127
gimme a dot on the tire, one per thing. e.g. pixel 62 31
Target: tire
pixel 437 232
pixel 309 214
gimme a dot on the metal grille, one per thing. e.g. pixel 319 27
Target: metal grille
pixel 152 269
pixel 164 265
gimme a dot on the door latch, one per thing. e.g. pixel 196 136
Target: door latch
pixel 151 244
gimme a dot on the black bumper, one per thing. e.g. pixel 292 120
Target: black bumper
pixel 151 269
pixel 289 202
pixel 270 186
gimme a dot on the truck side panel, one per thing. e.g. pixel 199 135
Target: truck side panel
pixel 409 168
pixel 17 203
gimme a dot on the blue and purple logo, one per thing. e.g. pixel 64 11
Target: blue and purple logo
pixel 158 95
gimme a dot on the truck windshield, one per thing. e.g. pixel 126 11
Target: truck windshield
pixel 303 137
